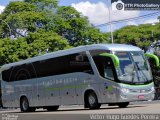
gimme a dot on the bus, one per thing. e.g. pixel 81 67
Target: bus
pixel 90 75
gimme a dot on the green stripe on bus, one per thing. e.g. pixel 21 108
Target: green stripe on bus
pixel 68 87
pixel 114 58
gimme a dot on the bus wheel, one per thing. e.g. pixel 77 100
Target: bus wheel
pixel 24 105
pixel 52 108
pixel 92 101
pixel 123 105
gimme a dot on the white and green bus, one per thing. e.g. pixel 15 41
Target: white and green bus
pixel 92 75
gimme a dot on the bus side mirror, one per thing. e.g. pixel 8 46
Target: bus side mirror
pixel 113 57
pixel 154 57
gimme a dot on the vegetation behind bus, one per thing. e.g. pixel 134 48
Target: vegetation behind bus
pixel 40 26
pixel 155 49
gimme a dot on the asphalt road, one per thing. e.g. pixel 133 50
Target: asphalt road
pixel 140 110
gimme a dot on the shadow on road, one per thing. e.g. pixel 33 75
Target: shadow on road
pixel 76 109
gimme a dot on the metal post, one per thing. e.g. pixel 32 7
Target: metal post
pixel 152 32
pixel 7 26
pixel 109 13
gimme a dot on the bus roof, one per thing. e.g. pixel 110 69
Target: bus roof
pixel 115 47
pixel 111 47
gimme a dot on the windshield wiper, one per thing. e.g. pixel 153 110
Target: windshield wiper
pixel 137 66
pixel 142 73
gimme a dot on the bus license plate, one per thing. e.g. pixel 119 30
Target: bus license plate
pixel 141 97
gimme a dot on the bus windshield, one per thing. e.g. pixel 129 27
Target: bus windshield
pixel 133 68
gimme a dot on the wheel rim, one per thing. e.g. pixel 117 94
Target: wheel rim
pixel 91 99
pixel 25 105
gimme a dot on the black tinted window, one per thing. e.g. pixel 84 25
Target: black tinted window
pixel 54 66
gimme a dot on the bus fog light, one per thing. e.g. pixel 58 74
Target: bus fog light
pixel 126 90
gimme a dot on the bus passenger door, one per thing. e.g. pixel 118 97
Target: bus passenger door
pixel 107 79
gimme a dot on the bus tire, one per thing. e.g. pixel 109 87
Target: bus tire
pixel 92 101
pixel 52 108
pixel 24 105
pixel 123 105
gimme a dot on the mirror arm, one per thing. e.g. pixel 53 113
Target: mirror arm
pixel 154 57
pixel 113 57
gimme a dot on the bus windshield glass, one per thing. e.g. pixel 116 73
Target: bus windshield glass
pixel 133 68
pixel 139 60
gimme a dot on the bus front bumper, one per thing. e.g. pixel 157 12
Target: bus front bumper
pixel 129 97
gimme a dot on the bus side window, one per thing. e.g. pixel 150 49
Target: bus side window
pixel 6 74
pixel 80 63
pixel 77 62
pixel 108 71
pixel 21 72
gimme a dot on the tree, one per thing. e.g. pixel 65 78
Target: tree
pixel 33 45
pixel 12 50
pixel 22 18
pixel 31 36
pixel 76 28
pixel 44 5
pixel 42 42
pixel 141 35
pixel 40 26
pixel 11 9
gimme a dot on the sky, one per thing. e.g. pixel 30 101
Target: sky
pixel 97 12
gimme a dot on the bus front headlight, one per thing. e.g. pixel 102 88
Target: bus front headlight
pixel 126 90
